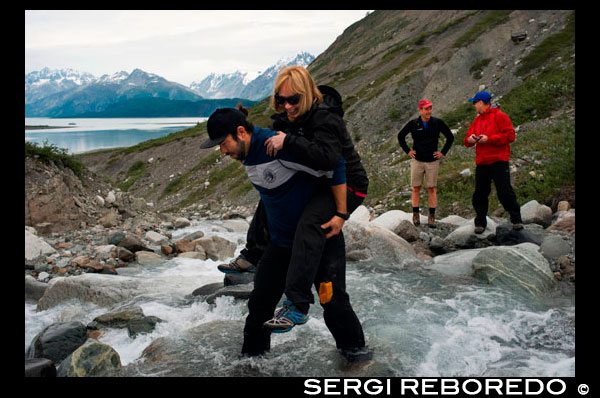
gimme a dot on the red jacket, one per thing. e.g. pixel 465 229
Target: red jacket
pixel 497 126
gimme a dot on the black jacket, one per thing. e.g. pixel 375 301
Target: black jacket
pixel 425 141
pixel 314 140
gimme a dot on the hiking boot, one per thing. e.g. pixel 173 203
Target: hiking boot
pixel 431 221
pixel 416 219
pixel 286 318
pixel 518 226
pixel 236 266
pixel 479 229
pixel 357 354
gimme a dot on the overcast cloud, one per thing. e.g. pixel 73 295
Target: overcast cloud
pixel 181 46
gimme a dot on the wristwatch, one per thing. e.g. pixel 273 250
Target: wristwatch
pixel 345 216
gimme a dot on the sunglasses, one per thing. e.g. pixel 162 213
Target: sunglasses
pixel 292 99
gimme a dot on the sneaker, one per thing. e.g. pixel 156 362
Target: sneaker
pixel 357 354
pixel 518 226
pixel 416 219
pixel 431 221
pixel 236 266
pixel 286 318
pixel 479 229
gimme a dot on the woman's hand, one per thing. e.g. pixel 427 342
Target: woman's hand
pixel 275 143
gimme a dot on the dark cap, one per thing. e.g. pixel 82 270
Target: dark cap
pixel 222 122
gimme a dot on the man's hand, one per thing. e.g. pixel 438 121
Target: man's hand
pixel 275 143
pixel 412 153
pixel 483 139
pixel 336 223
pixel 471 139
pixel 438 155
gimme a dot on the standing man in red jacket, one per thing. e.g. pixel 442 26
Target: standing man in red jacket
pixel 491 133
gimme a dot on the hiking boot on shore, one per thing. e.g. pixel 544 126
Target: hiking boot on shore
pixel 416 219
pixel 431 221
pixel 479 229
pixel 518 226
pixel 236 266
pixel 286 318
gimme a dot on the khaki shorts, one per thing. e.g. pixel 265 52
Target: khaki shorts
pixel 418 169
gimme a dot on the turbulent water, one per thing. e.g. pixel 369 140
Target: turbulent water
pixel 418 322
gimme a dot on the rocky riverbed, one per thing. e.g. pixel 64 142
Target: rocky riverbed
pixel 61 267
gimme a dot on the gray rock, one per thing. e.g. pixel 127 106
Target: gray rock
pixel 239 292
pixel 34 290
pixel 520 268
pixel 208 289
pixel 132 318
pixel 507 236
pixel 57 341
pixel 455 263
pixel 238 279
pixel 217 248
pixel 39 367
pixel 36 246
pixel 533 212
pixel 91 359
pixel 465 236
pixel 554 246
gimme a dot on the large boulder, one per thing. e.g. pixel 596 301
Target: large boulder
pixel 57 341
pixel 36 246
pixel 216 247
pixel 369 240
pixel 102 290
pixel 91 359
pixel 39 367
pixel 34 289
pixel 392 219
pixel 520 268
pixel 533 212
pixel 131 318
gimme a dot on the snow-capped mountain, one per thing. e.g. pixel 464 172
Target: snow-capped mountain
pixel 97 94
pixel 247 85
pixel 40 84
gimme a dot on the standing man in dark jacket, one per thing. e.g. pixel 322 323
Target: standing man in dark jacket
pixel 425 157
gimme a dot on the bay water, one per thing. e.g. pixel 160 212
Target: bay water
pixel 86 134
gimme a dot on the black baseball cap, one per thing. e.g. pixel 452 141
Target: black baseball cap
pixel 222 122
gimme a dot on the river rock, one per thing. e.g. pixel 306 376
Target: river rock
pixel 91 359
pixel 207 290
pixel 129 242
pixel 211 345
pixel 465 236
pixel 407 230
pixel 34 289
pixel 360 215
pixel 236 225
pixel 554 246
pixel 456 263
pixel 132 318
pixel 36 246
pixel 110 219
pixel 507 236
pixel 373 241
pixel 533 212
pixel 102 290
pixel 238 292
pixel 391 219
pixel 156 239
pixel 520 268
pixel 454 220
pixel 39 367
pixel 196 255
pixel 566 224
pixel 182 222
pixel 57 341
pixel 217 248
pixel 148 258
pixel 238 279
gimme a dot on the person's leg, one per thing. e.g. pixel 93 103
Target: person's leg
pixel 309 241
pixel 338 313
pixel 483 188
pixel 269 283
pixel 505 191
pixel 417 172
pixel 257 239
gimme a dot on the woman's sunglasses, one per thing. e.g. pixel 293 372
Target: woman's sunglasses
pixel 292 99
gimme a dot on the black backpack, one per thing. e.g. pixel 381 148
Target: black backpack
pixel 332 99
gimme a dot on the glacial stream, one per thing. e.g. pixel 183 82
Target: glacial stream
pixel 417 321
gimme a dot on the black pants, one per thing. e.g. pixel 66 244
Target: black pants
pixel 269 285
pixel 500 174
pixel 308 246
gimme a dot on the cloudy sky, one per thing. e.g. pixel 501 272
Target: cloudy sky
pixel 181 46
